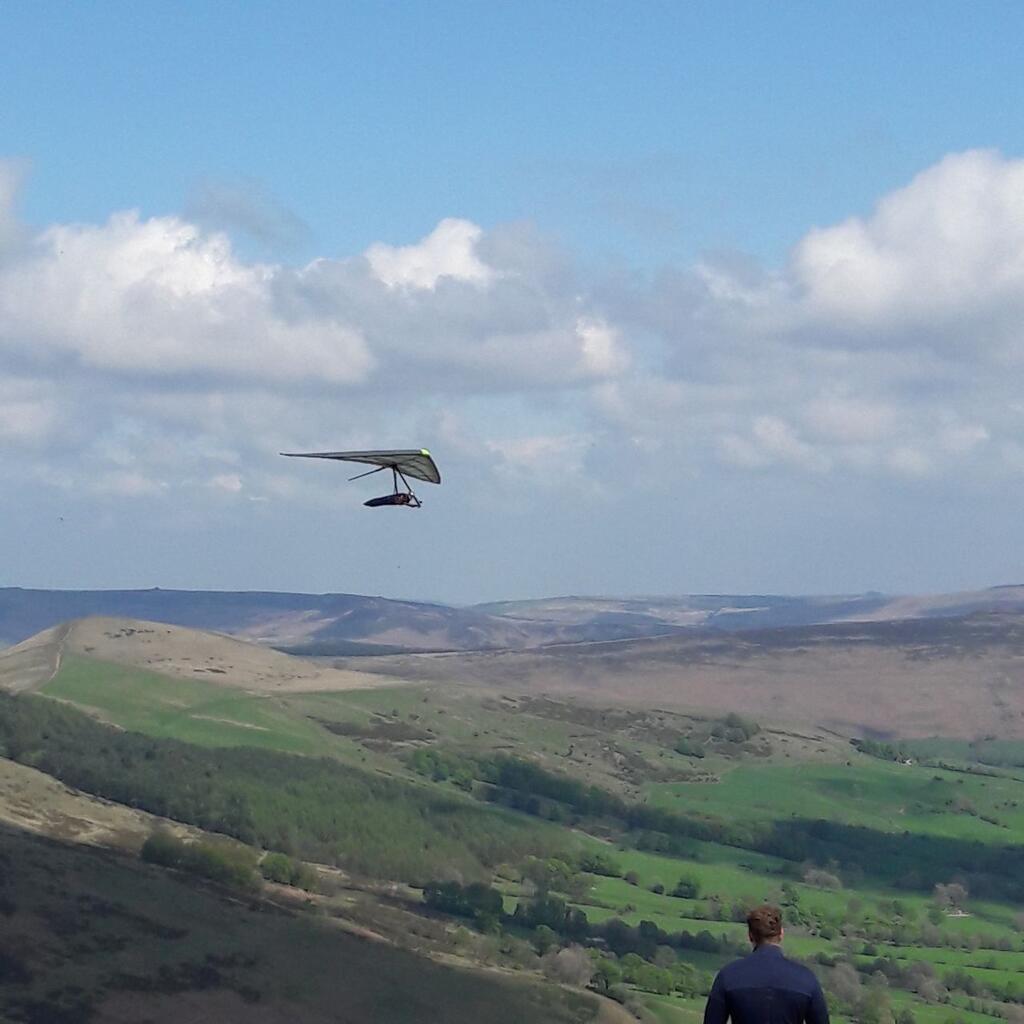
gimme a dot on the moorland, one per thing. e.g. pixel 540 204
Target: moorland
pixel 192 824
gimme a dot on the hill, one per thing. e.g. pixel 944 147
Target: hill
pixel 954 677
pixel 170 651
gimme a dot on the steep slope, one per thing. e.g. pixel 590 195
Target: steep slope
pixel 117 942
pixel 917 677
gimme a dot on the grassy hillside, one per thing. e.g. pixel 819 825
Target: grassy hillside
pixel 91 937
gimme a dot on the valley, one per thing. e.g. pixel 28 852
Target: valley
pixel 593 848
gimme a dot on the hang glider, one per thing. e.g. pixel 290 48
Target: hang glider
pixel 415 462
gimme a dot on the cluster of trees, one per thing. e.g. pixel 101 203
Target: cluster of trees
pixel 732 729
pixel 279 867
pixel 866 1003
pixel 851 987
pixel 512 775
pixel 444 766
pixel 735 728
pixel 883 751
pixel 230 864
pixel 689 747
pixel 617 954
pixel 478 901
pixel 312 808
pixel 662 976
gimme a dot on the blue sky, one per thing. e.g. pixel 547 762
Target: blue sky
pixel 683 296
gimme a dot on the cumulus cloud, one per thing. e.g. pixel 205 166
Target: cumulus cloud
pixel 149 355
pixel 881 345
pixel 144 355
pixel 944 254
pixel 157 297
pixel 449 251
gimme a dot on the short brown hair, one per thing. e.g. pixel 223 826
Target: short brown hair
pixel 764 923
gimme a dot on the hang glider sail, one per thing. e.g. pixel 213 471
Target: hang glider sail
pixel 416 463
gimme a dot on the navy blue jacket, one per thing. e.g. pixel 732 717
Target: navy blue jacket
pixel 766 988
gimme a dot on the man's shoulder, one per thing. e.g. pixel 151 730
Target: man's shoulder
pixel 776 962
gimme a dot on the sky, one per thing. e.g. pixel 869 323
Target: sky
pixel 683 297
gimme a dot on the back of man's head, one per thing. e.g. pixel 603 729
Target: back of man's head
pixel 764 924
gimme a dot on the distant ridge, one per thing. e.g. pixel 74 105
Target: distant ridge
pixel 352 624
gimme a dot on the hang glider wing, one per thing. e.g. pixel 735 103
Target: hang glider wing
pixel 416 462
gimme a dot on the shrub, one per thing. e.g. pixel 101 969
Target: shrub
pixel 822 879
pixel 600 863
pixel 687 888
pixel 229 863
pixel 570 966
pixel 279 867
pixel 688 747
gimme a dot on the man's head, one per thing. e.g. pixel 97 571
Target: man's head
pixel 764 924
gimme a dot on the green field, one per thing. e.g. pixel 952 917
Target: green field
pixel 865 791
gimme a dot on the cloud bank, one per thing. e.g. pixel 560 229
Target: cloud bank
pixel 143 356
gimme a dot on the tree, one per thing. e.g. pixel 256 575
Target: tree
pixel 950 897
pixel 279 867
pixel 688 747
pixel 570 966
pixel 874 1007
pixel 844 984
pixel 606 974
pixel 688 888
pixel 600 863
pixel 544 939
pixel 821 879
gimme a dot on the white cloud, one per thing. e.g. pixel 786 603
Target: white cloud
pixel 157 297
pixel 603 353
pixel 886 344
pixel 772 440
pixel 226 483
pixel 944 255
pixel 449 251
pixel 145 356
